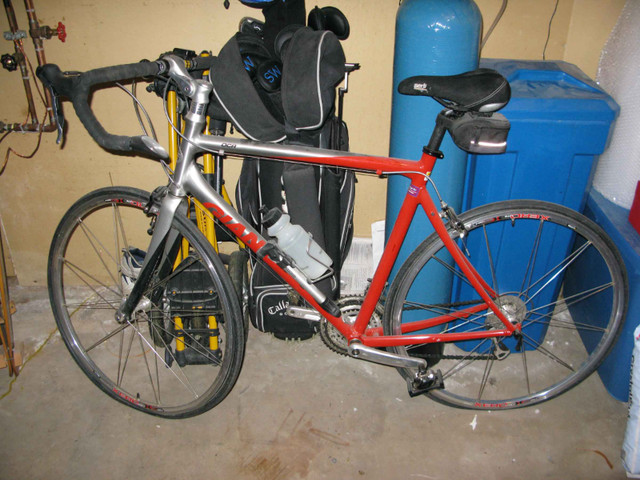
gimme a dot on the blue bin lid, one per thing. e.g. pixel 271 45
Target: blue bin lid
pixel 553 90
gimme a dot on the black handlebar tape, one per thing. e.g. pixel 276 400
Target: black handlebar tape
pixel 78 87
pixel 201 63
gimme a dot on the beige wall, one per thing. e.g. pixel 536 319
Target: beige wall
pixel 590 26
pixel 34 193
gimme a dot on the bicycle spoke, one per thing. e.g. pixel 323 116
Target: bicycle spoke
pixel 577 326
pixel 490 259
pixel 563 305
pixel 126 357
pixel 459 326
pixel 466 360
pixel 90 235
pixel 116 240
pixel 578 297
pixel 146 362
pixel 75 270
pixel 453 270
pixel 564 265
pixel 162 283
pixel 201 349
pixel 537 346
pixel 155 361
pixel 106 337
pixel 94 306
pixel 485 377
pixel 526 369
pixel 120 345
pixel 528 273
pixel 476 319
pixel 118 222
pixel 189 387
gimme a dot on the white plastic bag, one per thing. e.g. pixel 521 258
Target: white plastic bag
pixel 631 444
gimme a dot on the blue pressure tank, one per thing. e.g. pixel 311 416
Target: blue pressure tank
pixel 433 37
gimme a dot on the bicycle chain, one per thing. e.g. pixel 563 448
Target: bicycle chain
pixel 341 350
pixel 452 357
pixel 455 357
pixel 446 305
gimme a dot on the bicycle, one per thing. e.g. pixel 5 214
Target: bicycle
pixel 162 332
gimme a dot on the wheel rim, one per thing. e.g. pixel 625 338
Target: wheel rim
pixel 138 362
pixel 556 349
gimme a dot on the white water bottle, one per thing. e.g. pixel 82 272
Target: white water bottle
pixel 296 242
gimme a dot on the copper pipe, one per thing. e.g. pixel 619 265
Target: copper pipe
pixel 35 125
pixel 34 28
pixel 13 24
pixel 28 127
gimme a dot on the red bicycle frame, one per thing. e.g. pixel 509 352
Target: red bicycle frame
pixel 417 195
pixel 419 173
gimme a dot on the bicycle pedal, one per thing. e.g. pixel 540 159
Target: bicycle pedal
pixel 423 383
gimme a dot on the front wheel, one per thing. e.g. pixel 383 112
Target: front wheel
pixel 558 278
pixel 181 352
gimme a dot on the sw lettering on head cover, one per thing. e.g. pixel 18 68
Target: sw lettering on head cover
pixel 272 74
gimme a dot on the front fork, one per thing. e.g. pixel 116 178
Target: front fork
pixel 163 237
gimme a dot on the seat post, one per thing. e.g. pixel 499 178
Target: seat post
pixel 433 148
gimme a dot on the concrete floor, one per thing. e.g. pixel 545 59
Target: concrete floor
pixel 298 411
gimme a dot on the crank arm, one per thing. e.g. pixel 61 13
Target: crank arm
pixel 363 352
pixel 303 313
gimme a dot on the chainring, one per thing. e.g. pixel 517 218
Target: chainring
pixel 349 309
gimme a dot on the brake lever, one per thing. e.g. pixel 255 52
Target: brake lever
pixel 58 114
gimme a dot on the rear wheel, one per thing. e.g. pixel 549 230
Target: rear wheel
pixel 534 255
pixel 182 350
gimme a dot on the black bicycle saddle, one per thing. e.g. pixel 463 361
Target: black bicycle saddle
pixel 481 90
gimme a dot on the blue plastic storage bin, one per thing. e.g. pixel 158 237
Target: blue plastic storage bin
pixel 615 370
pixel 560 122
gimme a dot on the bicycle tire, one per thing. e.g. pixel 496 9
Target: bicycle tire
pixel 536 289
pixel 88 276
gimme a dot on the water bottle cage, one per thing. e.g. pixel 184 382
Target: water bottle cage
pixel 283 260
pixel 276 255
pixel 319 260
pixel 328 273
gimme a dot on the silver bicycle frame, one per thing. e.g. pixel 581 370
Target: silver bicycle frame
pixel 187 180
